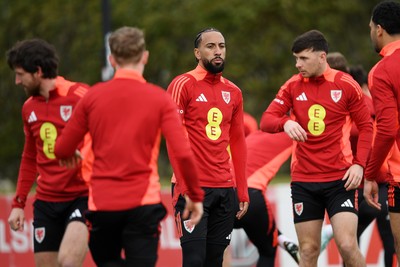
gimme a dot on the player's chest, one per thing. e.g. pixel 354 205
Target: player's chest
pixel 316 100
pixel 208 102
pixel 48 118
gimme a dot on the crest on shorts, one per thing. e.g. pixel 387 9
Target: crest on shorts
pixel 65 112
pixel 189 226
pixel 336 95
pixel 298 208
pixel 40 234
pixel 226 96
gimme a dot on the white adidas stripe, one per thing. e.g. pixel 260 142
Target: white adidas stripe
pixel 32 117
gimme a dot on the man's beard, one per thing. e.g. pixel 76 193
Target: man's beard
pixel 213 68
pixel 32 91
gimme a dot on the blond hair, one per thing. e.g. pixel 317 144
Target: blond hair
pixel 127 45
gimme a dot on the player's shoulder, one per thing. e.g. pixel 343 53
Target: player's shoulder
pixel 294 80
pixel 182 82
pixel 79 88
pixel 187 78
pixel 346 81
pixel 71 88
pixel 230 84
pixel 28 104
pixel 155 89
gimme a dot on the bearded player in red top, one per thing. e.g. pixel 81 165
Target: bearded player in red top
pixel 211 108
pixel 384 83
pixel 61 194
pixel 323 102
pixel 125 117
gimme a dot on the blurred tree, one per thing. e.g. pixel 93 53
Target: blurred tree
pixel 259 34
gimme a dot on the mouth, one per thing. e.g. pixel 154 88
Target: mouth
pixel 218 60
pixel 302 72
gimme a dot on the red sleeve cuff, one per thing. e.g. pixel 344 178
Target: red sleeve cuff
pixel 18 202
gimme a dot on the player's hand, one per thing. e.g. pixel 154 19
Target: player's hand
pixel 295 131
pixel 354 177
pixel 371 194
pixel 73 161
pixel 243 206
pixel 193 210
pixel 16 219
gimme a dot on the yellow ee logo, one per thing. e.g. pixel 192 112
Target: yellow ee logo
pixel 214 118
pixel 48 133
pixel 316 124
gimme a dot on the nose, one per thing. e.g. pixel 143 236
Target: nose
pixel 298 64
pixel 17 80
pixel 218 51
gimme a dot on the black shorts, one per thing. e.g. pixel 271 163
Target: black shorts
pixel 394 197
pixel 50 219
pixel 311 200
pixel 136 231
pixel 259 223
pixel 216 224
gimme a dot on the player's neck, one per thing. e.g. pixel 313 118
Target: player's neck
pixel 136 67
pixel 46 86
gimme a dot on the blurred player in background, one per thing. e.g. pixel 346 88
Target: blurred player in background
pixel 60 234
pixel 384 83
pixel 125 117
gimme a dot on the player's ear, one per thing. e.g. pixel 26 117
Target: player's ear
pixel 112 60
pixel 39 71
pixel 145 57
pixel 197 54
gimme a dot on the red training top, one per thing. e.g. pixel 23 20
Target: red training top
pixel 384 83
pixel 124 117
pixel 44 120
pixel 324 107
pixel 265 155
pixel 212 111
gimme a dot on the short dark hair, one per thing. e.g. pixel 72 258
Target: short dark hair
pixel 387 14
pixel 33 53
pixel 313 39
pixel 359 74
pixel 198 39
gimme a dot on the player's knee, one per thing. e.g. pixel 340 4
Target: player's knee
pixel 309 252
pixel 69 260
pixel 347 248
pixel 66 261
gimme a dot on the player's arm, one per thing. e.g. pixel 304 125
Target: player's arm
pixel 276 117
pixel 360 114
pixel 386 126
pixel 26 177
pixel 178 89
pixel 72 134
pixel 277 113
pixel 237 144
pixel 179 148
pixel 385 106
